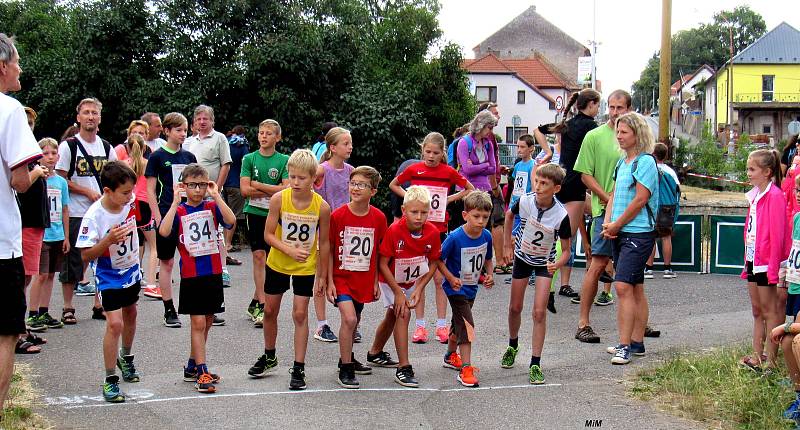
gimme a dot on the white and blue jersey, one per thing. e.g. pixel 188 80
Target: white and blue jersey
pixel 465 258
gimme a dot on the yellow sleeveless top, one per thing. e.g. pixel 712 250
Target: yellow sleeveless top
pixel 297 228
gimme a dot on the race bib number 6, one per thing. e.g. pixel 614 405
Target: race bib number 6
pixel 125 254
pixel 438 203
pixel 358 245
pixel 299 230
pixel 199 235
pixel 408 270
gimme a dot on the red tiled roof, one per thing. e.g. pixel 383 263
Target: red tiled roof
pixel 535 71
pixel 487 63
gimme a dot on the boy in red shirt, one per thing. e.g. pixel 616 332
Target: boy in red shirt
pixel 356 230
pixel 409 257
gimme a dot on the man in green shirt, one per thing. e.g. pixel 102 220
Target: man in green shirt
pixel 263 174
pixel 597 158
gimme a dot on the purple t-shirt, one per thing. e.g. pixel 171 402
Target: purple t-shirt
pixel 334 189
pixel 479 169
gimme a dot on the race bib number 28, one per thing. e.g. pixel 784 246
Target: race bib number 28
pixel 299 230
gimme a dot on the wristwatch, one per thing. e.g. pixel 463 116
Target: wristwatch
pixel 787 328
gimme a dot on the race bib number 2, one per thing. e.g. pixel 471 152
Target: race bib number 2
pixel 537 239
pixel 358 245
pixel 125 254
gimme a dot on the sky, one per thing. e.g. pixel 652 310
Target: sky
pixel 628 31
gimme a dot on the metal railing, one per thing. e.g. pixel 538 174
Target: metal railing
pixel 766 97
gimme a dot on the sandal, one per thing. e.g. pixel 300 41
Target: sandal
pixel 747 362
pixel 230 261
pixel 25 347
pixel 36 340
pixel 235 248
pixel 68 316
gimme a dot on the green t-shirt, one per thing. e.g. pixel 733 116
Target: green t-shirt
pixel 266 170
pixel 598 155
pixel 794 288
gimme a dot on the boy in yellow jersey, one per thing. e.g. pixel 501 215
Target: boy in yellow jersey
pixel 297 215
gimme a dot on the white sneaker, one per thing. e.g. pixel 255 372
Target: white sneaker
pixel 669 274
pixel 648 274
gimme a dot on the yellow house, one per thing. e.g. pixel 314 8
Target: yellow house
pixel 765 92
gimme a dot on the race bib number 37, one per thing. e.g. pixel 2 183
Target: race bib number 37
pixel 125 254
pixel 299 230
pixel 358 245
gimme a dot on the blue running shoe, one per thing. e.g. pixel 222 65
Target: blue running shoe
pixel 793 411
pixel 111 390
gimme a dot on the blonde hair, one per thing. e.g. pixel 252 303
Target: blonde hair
pixel 644 135
pixel 331 139
pixel 417 193
pixel 136 154
pixel 479 200
pixel 304 160
pixel 553 172
pixel 768 159
pixel 271 123
pixel 89 100
pixel 136 123
pixel 436 139
pixel 368 172
pixel 48 142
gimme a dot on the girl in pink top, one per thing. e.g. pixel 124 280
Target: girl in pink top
pixel 766 247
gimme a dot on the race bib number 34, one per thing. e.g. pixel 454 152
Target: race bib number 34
pixel 408 270
pixel 438 203
pixel 299 230
pixel 472 260
pixel 358 245
pixel 199 234
pixel 125 254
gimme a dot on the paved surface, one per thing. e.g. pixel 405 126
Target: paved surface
pixel 693 311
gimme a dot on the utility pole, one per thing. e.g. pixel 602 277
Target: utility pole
pixel 731 144
pixel 594 44
pixel 664 73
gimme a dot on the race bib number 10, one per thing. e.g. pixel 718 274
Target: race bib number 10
pixel 199 234
pixel 358 245
pixel 472 260
pixel 299 230
pixel 125 254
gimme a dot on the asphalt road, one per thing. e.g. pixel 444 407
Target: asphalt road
pixel 693 311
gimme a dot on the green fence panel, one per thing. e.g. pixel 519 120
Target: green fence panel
pixel 727 244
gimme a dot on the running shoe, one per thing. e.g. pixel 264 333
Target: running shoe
pixel 535 375
pixel 442 334
pixel 638 350
pixel 669 274
pixel 357 336
pixel 420 335
pixel 205 384
pixel 258 321
pixel 381 359
pixel 359 368
pixel 125 364
pixel 621 356
pixel 509 356
pixel 648 274
pixel 551 302
pixel 405 377
pixel 49 321
pixel 98 313
pixel 297 379
pixel 35 324
pixel 152 291
pixel 85 289
pixel 226 278
pixel 650 332
pixel 171 319
pixel 190 375
pixel 347 376
pixel 793 411
pixel 252 312
pixel 604 299
pixel 606 278
pixel 567 291
pixel 576 300
pixel 263 366
pixel 587 335
pixel 467 376
pixel 111 391
pixel 218 321
pixel 452 361
pixel 325 334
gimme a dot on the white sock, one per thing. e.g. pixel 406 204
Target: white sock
pixel 321 323
pixel 441 322
pixel 421 323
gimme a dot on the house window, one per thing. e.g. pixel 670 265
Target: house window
pixel 766 129
pixel 520 97
pixel 767 87
pixel 513 133
pixel 486 94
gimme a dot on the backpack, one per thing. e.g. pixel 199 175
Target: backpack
pixel 669 198
pixel 452 150
pixel 73 144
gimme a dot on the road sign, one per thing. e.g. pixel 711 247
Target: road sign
pixel 794 127
pixel 559 103
pixel 516 121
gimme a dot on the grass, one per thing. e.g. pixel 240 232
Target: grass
pixel 18 412
pixel 712 388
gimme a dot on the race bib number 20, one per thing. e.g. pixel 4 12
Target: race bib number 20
pixel 358 245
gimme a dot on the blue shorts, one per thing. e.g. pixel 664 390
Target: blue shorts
pixel 600 246
pixel 630 252
pixel 347 298
pixel 793 305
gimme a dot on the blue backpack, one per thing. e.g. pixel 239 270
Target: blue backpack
pixel 669 198
pixel 452 150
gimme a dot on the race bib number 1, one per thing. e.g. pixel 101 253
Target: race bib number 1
pixel 299 230
pixel 54 201
pixel 472 260
pixel 125 254
pixel 793 265
pixel 438 203
pixel 358 245
pixel 199 234
pixel 408 270
pixel 537 239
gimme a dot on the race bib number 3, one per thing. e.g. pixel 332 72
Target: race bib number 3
pixel 438 203
pixel 199 234
pixel 537 239
pixel 793 265
pixel 750 238
pixel 125 254
pixel 54 201
pixel 358 245
pixel 472 260
pixel 299 230
pixel 408 270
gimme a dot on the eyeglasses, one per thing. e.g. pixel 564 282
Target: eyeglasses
pixel 359 185
pixel 195 185
pixel 797 190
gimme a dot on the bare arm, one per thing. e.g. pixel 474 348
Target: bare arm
pixel 541 140
pixel 20 180
pixel 223 174
pixel 77 189
pixel 152 200
pixel 248 188
pixel 397 189
pixel 594 186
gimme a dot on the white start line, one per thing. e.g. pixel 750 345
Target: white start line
pixel 140 397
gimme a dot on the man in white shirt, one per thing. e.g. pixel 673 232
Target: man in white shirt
pixel 74 157
pixel 154 140
pixel 17 148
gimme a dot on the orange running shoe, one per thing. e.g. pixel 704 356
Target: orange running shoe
pixel 205 384
pixel 467 376
pixel 420 335
pixel 442 334
pixel 452 361
pixel 152 291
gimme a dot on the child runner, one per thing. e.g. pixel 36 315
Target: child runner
pixel 195 222
pixel 56 242
pixel 263 174
pixel 660 151
pixel 766 246
pixel 163 172
pixel 294 259
pixel 466 253
pixel 410 254
pixel 356 231
pixel 333 174
pixel 437 177
pixel 108 235
pixel 543 221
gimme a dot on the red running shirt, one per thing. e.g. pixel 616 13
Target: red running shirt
pixel 410 254
pixel 354 246
pixel 438 181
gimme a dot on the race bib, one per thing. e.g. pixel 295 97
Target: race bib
pixel 358 245
pixel 259 202
pixel 177 171
pixel 537 239
pixel 793 265
pixel 199 235
pixel 750 237
pixel 472 260
pixel 438 203
pixel 125 254
pixel 408 270
pixel 299 230
pixel 520 184
pixel 54 201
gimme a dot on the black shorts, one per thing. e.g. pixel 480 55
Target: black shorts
pixel 357 306
pixel 523 270
pixel 630 252
pixel 760 279
pixel 113 299
pixel 572 189
pixel 462 316
pixel 278 283
pixel 73 267
pixel 255 232
pixel 52 258
pixel 201 295
pixel 12 305
pixel 793 306
pixel 456 218
pixel 166 246
pixel 145 221
pixel 498 212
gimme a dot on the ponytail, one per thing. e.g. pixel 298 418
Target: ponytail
pixel 777 173
pixel 136 154
pixel 331 139
pixel 768 159
pixel 581 99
